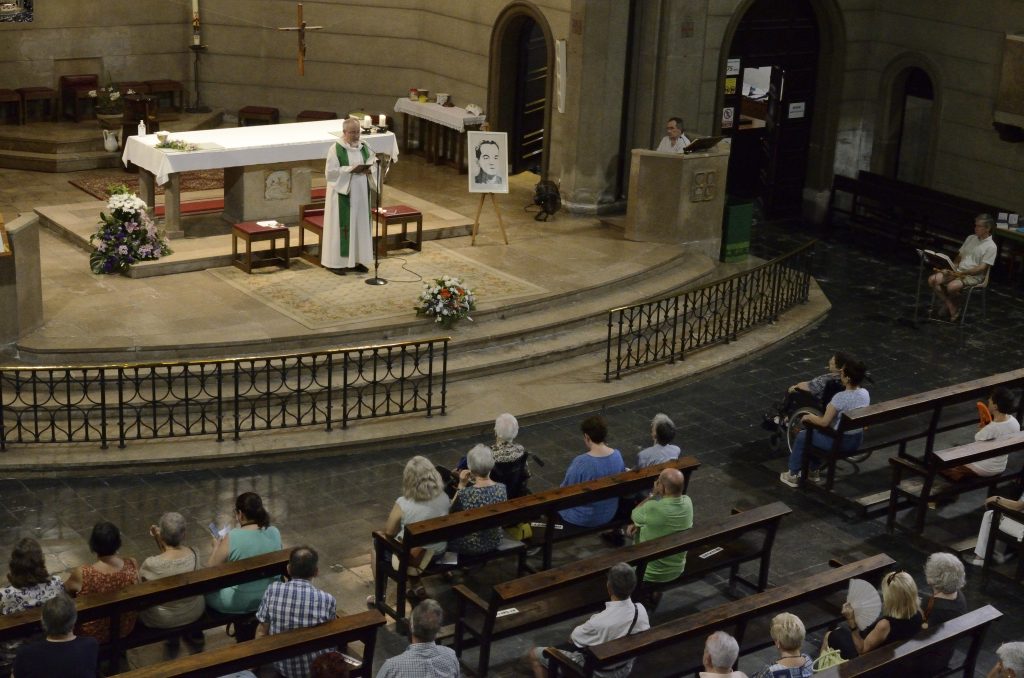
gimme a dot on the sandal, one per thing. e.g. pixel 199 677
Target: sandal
pixel 371 601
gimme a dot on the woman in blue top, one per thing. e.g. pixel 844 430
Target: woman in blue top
pixel 598 461
pixel 254 536
pixel 851 397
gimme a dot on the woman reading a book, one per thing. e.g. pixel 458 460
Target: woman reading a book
pixel 971 264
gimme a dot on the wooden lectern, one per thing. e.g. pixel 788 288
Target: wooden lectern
pixel 678 198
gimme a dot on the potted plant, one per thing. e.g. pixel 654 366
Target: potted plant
pixel 126 235
pixel 109 104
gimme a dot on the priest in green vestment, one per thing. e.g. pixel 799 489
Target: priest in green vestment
pixel 347 239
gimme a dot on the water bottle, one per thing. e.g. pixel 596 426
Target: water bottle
pixel 142 128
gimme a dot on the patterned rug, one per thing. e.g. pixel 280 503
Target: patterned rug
pixel 96 183
pixel 319 299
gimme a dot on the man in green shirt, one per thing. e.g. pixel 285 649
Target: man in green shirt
pixel 665 512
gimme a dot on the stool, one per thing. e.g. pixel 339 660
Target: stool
pixel 74 90
pixel 400 214
pixel 250 232
pixel 41 95
pixel 258 115
pixel 11 102
pixel 172 89
pixel 307 116
pixel 311 218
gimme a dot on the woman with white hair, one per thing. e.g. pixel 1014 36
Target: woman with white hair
pixel 945 576
pixel 1011 661
pixel 788 632
pixel 476 489
pixel 720 654
pixel 174 558
pixel 510 458
pixel 422 498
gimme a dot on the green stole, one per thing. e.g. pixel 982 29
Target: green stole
pixel 344 220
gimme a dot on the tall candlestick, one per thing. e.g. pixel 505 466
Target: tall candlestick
pixel 196 39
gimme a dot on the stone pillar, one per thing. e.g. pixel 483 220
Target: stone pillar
pixel 595 62
pixel 21 283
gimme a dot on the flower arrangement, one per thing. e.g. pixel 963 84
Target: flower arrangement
pixel 447 300
pixel 108 99
pixel 125 236
pixel 177 145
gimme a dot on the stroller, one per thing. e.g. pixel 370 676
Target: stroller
pixel 783 421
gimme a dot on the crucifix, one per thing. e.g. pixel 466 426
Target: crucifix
pixel 301 27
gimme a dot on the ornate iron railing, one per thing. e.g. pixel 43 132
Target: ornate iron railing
pixel 665 329
pixel 104 403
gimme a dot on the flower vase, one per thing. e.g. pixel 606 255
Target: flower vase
pixel 110 141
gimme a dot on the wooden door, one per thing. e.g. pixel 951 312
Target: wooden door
pixel 784 146
pixel 531 100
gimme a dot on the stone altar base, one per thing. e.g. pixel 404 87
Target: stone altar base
pixel 265 191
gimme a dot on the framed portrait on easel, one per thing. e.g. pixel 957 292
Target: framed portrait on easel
pixel 487 162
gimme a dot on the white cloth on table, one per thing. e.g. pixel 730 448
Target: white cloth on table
pixel 1006 526
pixel 449 116
pixel 666 144
pixel 341 181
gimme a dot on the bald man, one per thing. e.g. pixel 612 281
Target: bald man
pixel 665 512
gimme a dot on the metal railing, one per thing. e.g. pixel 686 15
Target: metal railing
pixel 104 403
pixel 665 329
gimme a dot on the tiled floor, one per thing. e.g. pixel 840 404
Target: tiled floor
pixel 333 504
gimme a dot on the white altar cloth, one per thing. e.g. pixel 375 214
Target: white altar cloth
pixel 450 116
pixel 245 146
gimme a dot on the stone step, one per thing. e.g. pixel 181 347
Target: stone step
pixel 59 162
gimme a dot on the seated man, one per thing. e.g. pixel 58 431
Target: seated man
pixel 720 654
pixel 667 511
pixel 621 617
pixel 852 397
pixel 61 653
pixel 295 604
pixel 423 658
pixel 663 431
pixel 674 140
pixel 972 262
pixel 1003 425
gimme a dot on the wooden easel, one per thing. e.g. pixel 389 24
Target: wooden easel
pixel 476 221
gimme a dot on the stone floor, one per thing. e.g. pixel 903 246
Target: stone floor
pixel 333 504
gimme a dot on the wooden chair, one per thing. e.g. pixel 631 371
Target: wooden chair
pixel 258 115
pixel 74 93
pixel 311 219
pixel 39 96
pixel 10 101
pixel 171 89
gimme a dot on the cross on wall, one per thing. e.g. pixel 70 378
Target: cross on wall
pixel 301 27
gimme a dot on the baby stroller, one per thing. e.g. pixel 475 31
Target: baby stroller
pixel 783 421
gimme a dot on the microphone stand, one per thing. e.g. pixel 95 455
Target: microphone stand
pixel 383 166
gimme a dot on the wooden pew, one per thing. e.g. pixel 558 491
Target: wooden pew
pixel 543 505
pixel 568 591
pixel 931 403
pixel 361 627
pixel 920 484
pixel 734 616
pixel 900 659
pixel 148 593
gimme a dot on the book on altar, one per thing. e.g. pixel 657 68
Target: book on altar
pixel 937 260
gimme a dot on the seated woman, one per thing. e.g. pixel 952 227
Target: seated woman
pixel 597 462
pixel 30 586
pixel 510 458
pixel 108 574
pixel 1007 526
pixel 254 536
pixel 787 632
pixel 174 558
pixel 476 489
pixel 1003 425
pixel 422 498
pixel 945 576
pixel 901 620
pixel 816 392
pixel 852 397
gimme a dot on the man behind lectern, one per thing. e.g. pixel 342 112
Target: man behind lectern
pixel 674 140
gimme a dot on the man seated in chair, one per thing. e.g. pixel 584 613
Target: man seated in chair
pixel 976 256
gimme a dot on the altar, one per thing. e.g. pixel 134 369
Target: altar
pixel 266 168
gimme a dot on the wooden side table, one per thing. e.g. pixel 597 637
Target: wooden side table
pixel 402 215
pixel 172 89
pixel 40 96
pixel 250 232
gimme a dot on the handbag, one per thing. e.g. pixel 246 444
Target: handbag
pixel 519 532
pixel 828 658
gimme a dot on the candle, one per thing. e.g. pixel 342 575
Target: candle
pixel 196 40
pixel 366 121
pixel 382 120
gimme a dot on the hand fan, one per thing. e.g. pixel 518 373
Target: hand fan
pixel 984 416
pixel 865 601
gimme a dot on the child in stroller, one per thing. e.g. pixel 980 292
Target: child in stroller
pixel 806 397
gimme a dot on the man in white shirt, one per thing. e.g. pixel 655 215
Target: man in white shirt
pixel 976 256
pixel 720 654
pixel 621 617
pixel 674 140
pixel 1003 425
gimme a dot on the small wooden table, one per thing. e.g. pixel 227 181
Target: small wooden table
pixel 250 232
pixel 401 215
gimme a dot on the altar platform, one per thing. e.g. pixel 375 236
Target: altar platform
pixel 68 146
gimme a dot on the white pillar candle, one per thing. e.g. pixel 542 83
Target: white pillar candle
pixel 382 120
pixel 196 40
pixel 366 121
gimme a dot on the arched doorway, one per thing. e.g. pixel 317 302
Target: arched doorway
pixel 519 89
pixel 909 118
pixel 779 92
